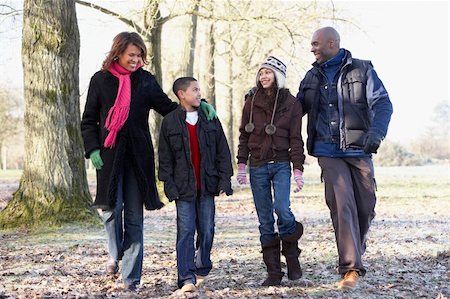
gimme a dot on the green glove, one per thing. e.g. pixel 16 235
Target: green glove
pixel 208 109
pixel 96 159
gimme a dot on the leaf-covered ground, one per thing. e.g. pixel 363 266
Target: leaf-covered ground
pixel 408 253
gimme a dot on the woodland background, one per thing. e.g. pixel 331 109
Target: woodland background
pixel 51 243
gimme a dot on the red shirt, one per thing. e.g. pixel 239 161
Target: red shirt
pixel 195 152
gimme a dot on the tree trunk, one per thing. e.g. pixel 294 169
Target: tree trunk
pixel 230 120
pixel 192 42
pixel 53 188
pixel 153 28
pixel 4 152
pixel 156 118
pixel 209 80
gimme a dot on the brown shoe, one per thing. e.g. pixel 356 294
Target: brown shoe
pixel 349 281
pixel 200 280
pixel 188 288
pixel 112 267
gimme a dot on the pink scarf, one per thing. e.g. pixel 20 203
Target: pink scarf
pixel 118 114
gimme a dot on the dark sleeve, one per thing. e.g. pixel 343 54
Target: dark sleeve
pixel 160 102
pixel 243 150
pixel 223 158
pixel 166 165
pixel 379 103
pixel 295 136
pixel 90 120
pixel 301 97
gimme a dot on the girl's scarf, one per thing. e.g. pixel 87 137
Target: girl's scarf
pixel 118 114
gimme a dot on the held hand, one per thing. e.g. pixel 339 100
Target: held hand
pixel 96 159
pixel 208 109
pixel 298 178
pixel 372 143
pixel 241 174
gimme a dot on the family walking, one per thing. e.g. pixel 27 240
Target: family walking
pixel 348 113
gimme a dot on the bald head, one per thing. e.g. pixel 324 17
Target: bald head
pixel 325 44
pixel 329 33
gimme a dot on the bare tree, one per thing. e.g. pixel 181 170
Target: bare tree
pixel 53 188
pixel 208 77
pixel 10 118
pixel 434 143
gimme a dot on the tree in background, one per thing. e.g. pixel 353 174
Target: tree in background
pixel 435 143
pixel 53 188
pixel 10 117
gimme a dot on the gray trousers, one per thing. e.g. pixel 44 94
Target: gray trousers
pixel 350 196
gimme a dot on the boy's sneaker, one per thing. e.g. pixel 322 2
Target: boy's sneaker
pixel 350 280
pixel 112 267
pixel 188 288
pixel 200 280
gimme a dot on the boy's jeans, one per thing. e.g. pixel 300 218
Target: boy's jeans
pixel 262 179
pixel 125 233
pixel 192 215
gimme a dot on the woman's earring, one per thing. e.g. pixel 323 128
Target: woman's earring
pixel 115 58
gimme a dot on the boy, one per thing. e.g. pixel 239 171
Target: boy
pixel 195 165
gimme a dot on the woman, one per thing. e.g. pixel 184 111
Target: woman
pixel 271 138
pixel 117 139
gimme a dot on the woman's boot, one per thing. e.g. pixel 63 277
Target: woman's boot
pixel 291 252
pixel 271 257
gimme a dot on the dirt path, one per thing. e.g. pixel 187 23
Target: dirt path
pixel 408 253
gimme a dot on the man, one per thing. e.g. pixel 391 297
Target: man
pixel 348 115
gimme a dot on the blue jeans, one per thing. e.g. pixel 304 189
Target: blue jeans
pixel 124 227
pixel 276 175
pixel 192 215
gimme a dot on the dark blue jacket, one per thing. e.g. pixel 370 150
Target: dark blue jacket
pixel 343 110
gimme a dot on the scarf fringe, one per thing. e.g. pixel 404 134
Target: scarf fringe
pixel 117 116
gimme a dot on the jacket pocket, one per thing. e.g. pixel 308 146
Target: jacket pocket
pixel 176 143
pixel 355 138
pixel 212 181
pixel 354 89
pixel 281 139
pixel 255 142
pixel 181 179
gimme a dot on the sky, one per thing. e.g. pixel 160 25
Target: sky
pixel 407 42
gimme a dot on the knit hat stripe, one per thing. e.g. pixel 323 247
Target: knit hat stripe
pixel 273 62
pixel 278 67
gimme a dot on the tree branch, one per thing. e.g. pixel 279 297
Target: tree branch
pixel 126 20
pixel 12 11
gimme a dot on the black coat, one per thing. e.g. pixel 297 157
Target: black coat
pixel 175 164
pixel 133 141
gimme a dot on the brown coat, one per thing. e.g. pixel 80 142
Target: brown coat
pixel 286 144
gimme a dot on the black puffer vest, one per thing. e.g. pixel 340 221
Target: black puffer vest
pixel 354 114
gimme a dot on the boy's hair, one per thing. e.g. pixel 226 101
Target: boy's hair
pixel 182 84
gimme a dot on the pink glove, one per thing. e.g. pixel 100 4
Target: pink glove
pixel 241 174
pixel 298 178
